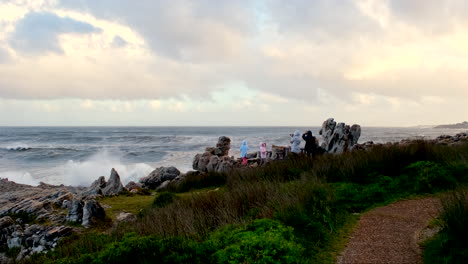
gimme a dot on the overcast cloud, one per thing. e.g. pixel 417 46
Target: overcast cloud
pixel 182 59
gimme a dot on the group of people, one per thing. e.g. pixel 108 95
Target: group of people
pixel 311 142
pixel 311 145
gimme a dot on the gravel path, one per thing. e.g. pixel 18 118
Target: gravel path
pixel 390 234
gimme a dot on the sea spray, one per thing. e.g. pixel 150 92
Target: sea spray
pixel 83 173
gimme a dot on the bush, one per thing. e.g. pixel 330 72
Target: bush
pixel 263 241
pixel 163 199
pixel 428 177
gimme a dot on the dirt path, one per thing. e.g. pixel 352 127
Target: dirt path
pixel 390 234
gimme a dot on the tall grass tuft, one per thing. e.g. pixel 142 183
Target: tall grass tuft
pixel 450 245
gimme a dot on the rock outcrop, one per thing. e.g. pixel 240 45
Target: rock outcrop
pixel 30 238
pixel 339 138
pixel 24 208
pixel 92 211
pixel 114 185
pixel 159 176
pixel 215 159
pixel 100 187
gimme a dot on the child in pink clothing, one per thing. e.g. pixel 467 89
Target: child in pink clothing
pixel 263 150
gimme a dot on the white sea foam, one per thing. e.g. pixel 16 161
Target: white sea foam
pixel 83 173
pixel 22 177
pixel 17 146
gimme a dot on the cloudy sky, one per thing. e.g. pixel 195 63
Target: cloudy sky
pixel 233 62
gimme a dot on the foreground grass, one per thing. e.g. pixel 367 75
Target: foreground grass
pixel 450 244
pixel 295 211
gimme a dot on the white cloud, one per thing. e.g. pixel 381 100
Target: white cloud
pixel 184 57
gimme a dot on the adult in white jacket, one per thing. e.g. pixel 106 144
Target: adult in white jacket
pixel 296 142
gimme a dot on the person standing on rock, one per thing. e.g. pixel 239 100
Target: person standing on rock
pixel 311 143
pixel 263 151
pixel 243 149
pixel 295 142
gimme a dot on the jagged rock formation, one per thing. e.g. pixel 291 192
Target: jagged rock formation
pixel 100 187
pixel 339 138
pixel 114 185
pixel 159 176
pixel 215 159
pixel 24 208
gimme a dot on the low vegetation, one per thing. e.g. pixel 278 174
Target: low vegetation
pixel 450 245
pixel 294 211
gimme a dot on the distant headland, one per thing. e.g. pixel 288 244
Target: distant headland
pixel 458 125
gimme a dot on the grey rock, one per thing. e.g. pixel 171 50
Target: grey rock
pixel 92 210
pixel 133 186
pixel 223 146
pixel 214 159
pixel 56 232
pixel 158 176
pixel 114 185
pixel 339 138
pixel 38 249
pixel 163 185
pixel 96 187
pixel 126 217
pixel 5 222
pixel 4 259
pixel 14 242
pixel 75 211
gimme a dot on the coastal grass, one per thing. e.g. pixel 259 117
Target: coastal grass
pixel 134 204
pixel 450 244
pixel 304 203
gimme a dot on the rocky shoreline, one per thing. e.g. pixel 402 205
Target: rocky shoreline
pixel 34 219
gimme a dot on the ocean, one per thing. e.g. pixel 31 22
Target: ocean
pixel 79 155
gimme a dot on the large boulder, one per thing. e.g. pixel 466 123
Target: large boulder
pixel 215 159
pixel 114 185
pixel 158 176
pixel 339 138
pixel 223 146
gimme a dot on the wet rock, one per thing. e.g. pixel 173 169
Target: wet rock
pixel 158 176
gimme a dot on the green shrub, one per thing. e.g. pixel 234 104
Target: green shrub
pixel 450 245
pixel 263 241
pixel 163 199
pixel 428 177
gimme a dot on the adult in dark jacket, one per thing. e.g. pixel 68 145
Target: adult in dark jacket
pixel 311 143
